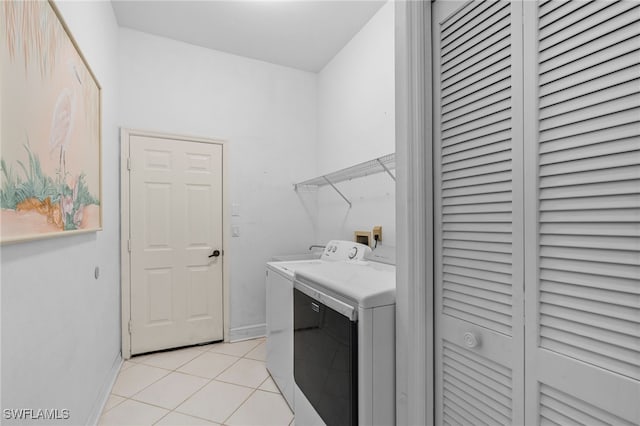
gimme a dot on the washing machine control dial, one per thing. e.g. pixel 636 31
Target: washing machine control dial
pixel 353 252
pixel 341 250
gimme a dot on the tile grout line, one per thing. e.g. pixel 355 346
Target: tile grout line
pixel 166 414
pixel 206 384
pixel 222 372
pixel 201 377
pixel 175 369
pixel 267 378
pixel 236 384
pixel 238 407
pixel 191 415
pixel 156 381
pixel 253 389
pixel 173 410
pixel 244 357
pixel 209 381
pixel 256 389
pixel 110 395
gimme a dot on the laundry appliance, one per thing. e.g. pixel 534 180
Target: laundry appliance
pixel 279 298
pixel 344 343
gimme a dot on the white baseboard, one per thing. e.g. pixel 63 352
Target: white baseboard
pixel 105 391
pixel 247 332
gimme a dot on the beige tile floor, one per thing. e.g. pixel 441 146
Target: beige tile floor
pixel 218 384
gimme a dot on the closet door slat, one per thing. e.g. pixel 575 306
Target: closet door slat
pixel 583 214
pixel 478 94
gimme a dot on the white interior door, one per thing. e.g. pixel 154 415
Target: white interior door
pixel 175 225
pixel 583 212
pixel 478 212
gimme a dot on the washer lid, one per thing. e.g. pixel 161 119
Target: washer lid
pixel 368 284
pixel 289 267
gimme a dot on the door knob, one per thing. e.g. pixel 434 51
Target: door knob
pixel 215 253
pixel 471 340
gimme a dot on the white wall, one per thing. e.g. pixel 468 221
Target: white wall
pixel 356 123
pixel 60 326
pixel 268 115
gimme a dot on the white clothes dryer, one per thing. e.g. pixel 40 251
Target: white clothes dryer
pixel 279 300
pixel 344 344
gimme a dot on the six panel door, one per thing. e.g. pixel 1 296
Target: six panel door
pixel 176 224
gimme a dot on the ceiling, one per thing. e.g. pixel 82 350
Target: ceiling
pixel 303 34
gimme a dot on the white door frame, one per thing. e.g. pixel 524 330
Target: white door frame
pixel 125 260
pixel 414 215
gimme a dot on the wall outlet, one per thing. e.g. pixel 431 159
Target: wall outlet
pixel 362 237
pixel 377 230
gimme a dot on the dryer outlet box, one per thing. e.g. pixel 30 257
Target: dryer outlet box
pixel 377 231
pixel 362 237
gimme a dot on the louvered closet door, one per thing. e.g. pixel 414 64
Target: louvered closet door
pixel 582 212
pixel 478 217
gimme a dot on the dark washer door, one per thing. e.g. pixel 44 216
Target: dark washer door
pixel 325 360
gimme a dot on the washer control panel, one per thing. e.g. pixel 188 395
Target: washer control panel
pixel 344 250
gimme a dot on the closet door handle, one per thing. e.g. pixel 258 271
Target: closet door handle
pixel 215 253
pixel 471 340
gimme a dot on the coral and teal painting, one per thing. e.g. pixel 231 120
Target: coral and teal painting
pixel 50 175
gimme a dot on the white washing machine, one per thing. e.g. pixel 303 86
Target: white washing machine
pixel 279 298
pixel 344 344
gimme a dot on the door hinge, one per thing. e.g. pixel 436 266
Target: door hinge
pixel 128 163
pixel 130 326
pixel 129 245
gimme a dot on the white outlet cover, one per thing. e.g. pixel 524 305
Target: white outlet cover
pixel 235 231
pixel 235 209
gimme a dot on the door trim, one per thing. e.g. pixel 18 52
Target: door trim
pixel 125 260
pixel 414 215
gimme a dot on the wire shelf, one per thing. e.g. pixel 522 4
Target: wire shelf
pixel 382 164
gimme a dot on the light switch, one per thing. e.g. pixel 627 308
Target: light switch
pixel 235 209
pixel 235 231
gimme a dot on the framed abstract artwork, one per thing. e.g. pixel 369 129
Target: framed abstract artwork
pixel 50 127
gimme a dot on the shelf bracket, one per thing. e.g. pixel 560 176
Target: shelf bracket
pixel 337 190
pixel 386 169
